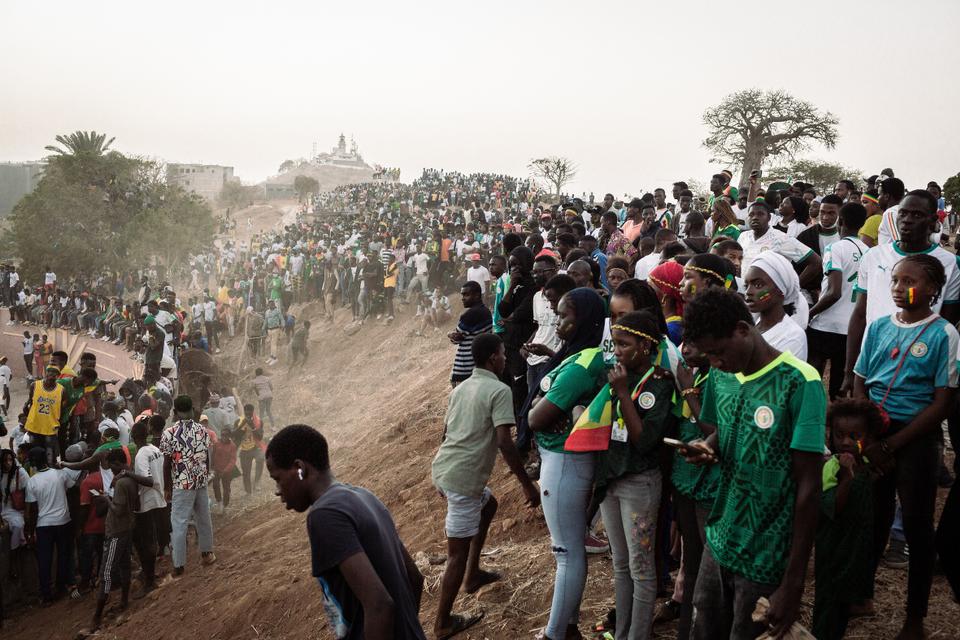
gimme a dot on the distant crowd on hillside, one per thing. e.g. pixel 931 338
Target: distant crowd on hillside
pixel 638 364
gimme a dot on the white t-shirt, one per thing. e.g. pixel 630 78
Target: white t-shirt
pixel 876 269
pixel 164 318
pixel 229 404
pixel 827 239
pixel 28 351
pixel 479 274
pixel 546 333
pixel 48 488
pixel 645 265
pixel 773 240
pixel 787 336
pixel 107 423
pixel 5 375
pixel 794 228
pixel 149 463
pixel 49 278
pixel 124 427
pixel 420 261
pixel 125 417
pixel 681 222
pixel 209 311
pixel 888 232
pixel 844 256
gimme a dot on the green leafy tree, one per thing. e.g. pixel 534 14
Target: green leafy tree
pixel 749 127
pixel 305 185
pixel 81 143
pixel 824 176
pixel 95 211
pixel 236 195
pixel 555 170
pixel 287 165
pixel 951 192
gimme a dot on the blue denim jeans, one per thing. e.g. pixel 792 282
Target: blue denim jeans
pixel 184 503
pixel 630 517
pixel 566 484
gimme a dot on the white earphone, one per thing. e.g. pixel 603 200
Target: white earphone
pixel 300 473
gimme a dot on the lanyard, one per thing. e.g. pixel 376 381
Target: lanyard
pixel 637 390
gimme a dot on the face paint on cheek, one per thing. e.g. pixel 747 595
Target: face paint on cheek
pixel 763 295
pixel 693 288
pixel 911 294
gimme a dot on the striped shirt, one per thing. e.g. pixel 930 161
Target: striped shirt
pixel 473 322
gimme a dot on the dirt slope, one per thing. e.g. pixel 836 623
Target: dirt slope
pixel 379 395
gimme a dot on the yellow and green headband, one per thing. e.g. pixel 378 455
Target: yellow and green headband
pixel 646 336
pixel 727 281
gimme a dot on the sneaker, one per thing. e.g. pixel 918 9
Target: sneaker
pixel 897 555
pixel 668 611
pixel 595 544
pixel 533 470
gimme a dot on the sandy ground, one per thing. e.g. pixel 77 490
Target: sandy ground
pixel 379 395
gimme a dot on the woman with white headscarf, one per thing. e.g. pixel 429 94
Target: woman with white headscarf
pixel 773 294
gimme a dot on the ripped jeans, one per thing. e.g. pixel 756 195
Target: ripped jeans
pixel 629 513
pixel 566 484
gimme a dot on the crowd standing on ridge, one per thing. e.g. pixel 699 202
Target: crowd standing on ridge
pixel 653 365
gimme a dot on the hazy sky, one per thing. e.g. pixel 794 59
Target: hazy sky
pixel 619 87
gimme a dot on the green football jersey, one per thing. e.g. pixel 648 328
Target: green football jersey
pixel 760 418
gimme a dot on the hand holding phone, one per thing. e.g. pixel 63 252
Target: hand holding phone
pixel 695 452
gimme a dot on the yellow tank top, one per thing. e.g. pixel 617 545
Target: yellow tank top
pixel 44 416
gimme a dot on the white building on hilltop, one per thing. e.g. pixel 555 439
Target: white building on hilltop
pixel 339 155
pixel 205 180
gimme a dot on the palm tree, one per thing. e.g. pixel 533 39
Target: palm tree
pixel 78 143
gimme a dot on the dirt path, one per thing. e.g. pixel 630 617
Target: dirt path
pixel 379 395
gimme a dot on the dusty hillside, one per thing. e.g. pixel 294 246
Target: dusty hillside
pixel 329 176
pixel 379 395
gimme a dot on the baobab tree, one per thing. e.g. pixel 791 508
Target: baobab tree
pixel 751 126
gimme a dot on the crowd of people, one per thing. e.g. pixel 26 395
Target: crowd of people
pixel 764 371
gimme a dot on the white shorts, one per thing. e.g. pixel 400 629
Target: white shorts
pixel 463 513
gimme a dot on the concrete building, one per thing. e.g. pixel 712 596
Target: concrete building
pixel 339 156
pixel 17 179
pixel 205 180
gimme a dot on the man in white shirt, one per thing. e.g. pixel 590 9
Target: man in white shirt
pixel 27 344
pixel 762 237
pixel 916 219
pixel 210 324
pixel 48 518
pixel 6 374
pixel 891 193
pixel 111 420
pixel 477 272
pixel 829 317
pixel 196 315
pixel 544 342
pixel 148 472
pixel 420 262
pixel 49 278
